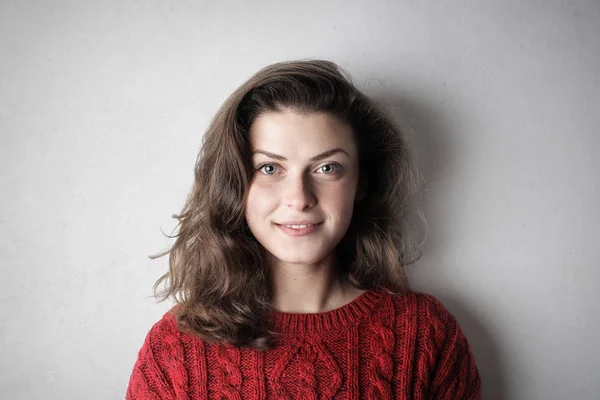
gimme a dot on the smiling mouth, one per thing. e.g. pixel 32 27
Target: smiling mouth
pixel 302 226
pixel 298 229
pixel 298 225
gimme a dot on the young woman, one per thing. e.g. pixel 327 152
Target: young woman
pixel 287 269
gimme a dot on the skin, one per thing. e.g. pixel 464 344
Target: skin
pixel 289 184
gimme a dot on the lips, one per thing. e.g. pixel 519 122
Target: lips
pixel 298 228
pixel 297 223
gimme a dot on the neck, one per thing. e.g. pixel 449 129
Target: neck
pixel 314 288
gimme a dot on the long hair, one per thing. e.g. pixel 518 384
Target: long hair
pixel 217 269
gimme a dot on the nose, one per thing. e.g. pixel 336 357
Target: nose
pixel 298 193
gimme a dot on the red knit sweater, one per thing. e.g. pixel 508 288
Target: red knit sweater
pixel 376 347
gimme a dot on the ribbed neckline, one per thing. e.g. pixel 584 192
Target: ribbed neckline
pixel 339 318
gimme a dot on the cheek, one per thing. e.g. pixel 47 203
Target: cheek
pixel 259 203
pixel 346 207
pixel 341 202
pixel 346 193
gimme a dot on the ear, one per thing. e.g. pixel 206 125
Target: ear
pixel 361 190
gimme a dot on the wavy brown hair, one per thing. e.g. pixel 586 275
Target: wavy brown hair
pixel 217 269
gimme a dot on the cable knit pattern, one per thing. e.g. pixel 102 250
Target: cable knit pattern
pixel 381 346
pixel 229 375
pixel 306 373
pixel 378 346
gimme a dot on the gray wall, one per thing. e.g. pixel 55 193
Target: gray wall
pixel 102 108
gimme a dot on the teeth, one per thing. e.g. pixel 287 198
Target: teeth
pixel 298 226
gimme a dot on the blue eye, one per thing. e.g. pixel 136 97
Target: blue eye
pixel 331 168
pixel 267 169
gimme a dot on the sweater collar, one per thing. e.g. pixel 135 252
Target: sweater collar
pixel 339 318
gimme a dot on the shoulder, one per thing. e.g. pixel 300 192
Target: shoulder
pixel 423 307
pixel 165 343
pixel 445 365
pixel 165 327
pixel 160 366
pixel 425 318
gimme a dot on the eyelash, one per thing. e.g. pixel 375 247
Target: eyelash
pixel 336 165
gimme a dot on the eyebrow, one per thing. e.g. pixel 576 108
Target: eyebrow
pixel 319 157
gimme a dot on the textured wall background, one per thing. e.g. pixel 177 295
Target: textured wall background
pixel 102 109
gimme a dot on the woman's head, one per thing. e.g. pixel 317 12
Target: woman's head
pixel 361 194
pixel 305 180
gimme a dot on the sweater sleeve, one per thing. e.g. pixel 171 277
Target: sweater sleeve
pixel 455 375
pixel 159 372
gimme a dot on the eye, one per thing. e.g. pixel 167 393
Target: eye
pixel 330 168
pixel 267 169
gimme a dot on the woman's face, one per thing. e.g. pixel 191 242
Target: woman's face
pixel 304 184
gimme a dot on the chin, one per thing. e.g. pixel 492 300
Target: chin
pixel 304 258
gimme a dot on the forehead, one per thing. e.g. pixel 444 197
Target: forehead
pixel 289 132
